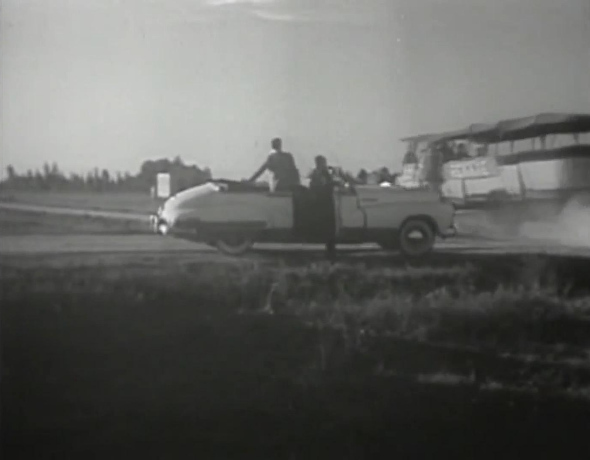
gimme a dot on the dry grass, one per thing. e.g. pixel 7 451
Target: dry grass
pixel 311 361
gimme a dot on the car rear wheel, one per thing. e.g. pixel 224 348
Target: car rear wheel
pixel 234 245
pixel 416 238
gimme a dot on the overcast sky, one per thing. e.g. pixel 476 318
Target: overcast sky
pixel 110 83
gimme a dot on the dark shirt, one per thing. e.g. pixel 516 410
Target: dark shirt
pixel 282 165
pixel 321 188
pixel 321 179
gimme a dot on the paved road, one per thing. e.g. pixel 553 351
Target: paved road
pixel 55 244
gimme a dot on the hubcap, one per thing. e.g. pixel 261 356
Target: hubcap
pixel 417 235
pixel 416 241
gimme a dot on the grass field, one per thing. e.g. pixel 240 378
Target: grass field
pixel 181 356
pixel 108 201
pixel 13 222
pixel 173 359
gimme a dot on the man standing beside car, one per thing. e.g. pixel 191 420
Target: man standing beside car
pixel 282 165
pixel 321 187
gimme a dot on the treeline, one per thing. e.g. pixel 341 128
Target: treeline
pixel 51 178
pixel 375 177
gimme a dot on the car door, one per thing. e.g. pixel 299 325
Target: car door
pixel 350 217
pixel 279 210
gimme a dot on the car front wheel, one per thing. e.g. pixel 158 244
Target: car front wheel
pixel 234 245
pixel 416 238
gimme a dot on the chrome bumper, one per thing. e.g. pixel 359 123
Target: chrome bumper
pixel 155 224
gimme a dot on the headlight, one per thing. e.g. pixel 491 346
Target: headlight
pixel 163 228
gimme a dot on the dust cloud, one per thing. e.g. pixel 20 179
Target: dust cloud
pixel 549 224
pixel 569 227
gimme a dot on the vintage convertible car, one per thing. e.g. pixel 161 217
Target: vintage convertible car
pixel 232 216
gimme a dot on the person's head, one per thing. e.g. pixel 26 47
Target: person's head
pixel 321 162
pixel 276 144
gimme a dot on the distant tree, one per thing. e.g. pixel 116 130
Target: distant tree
pixel 362 176
pixel 46 170
pixel 79 182
pixel 50 177
pixel 72 182
pixel 96 179
pixel 11 173
pixel 150 169
pixel 38 181
pixel 89 182
pixel 384 174
pixel 105 179
pixel 118 180
pixel 57 179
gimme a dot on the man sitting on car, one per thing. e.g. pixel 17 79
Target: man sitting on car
pixel 282 165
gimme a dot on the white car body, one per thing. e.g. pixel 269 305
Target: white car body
pixel 217 210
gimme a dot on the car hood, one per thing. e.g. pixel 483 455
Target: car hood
pixel 186 199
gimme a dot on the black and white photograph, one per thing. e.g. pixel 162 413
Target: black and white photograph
pixel 295 229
